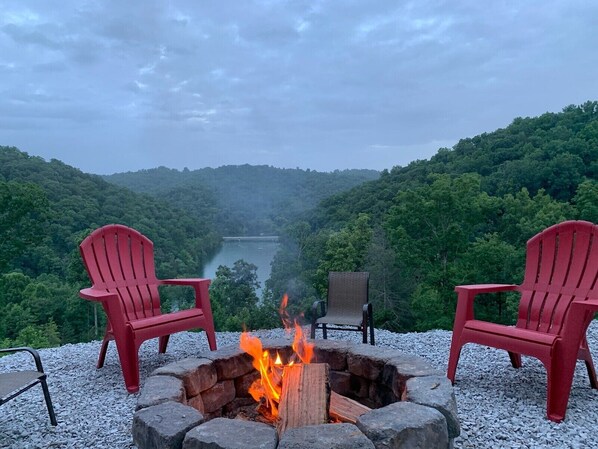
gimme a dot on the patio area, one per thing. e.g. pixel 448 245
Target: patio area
pixel 497 405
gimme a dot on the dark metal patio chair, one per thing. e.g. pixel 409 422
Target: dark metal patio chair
pixel 13 383
pixel 347 305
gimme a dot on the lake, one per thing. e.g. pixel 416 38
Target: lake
pixel 258 252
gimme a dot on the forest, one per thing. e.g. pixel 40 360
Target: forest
pixel 461 217
pixel 244 199
pixel 47 208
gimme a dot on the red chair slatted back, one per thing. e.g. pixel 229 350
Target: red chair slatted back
pixel 561 265
pixel 121 260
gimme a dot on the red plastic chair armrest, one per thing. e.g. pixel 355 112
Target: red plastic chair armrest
pixel 588 304
pixel 577 319
pixel 202 296
pixel 579 310
pixel 112 304
pixel 485 288
pixel 189 281
pixel 94 294
pixel 467 294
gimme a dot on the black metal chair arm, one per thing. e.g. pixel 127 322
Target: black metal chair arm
pixel 33 352
pixel 314 309
pixel 20 381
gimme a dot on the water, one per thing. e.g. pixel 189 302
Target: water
pixel 259 253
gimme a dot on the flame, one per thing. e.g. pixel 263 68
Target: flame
pixel 284 315
pixel 267 390
pixel 303 349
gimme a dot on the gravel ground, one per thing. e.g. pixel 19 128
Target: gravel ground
pixel 499 407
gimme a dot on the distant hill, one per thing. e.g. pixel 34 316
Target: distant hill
pixel 243 199
pixel 461 217
pixel 79 202
pixel 46 209
pixel 554 152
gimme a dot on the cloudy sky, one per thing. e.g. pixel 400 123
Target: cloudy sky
pixel 112 86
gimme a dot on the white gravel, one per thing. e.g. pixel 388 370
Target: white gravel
pixel 499 407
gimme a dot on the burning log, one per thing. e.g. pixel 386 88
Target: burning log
pixel 305 396
pixel 295 393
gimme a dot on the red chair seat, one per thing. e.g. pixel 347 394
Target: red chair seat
pixel 168 319
pixel 499 332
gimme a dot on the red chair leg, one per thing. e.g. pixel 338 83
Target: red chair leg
pixel 591 373
pixel 103 350
pixel 129 362
pixel 211 339
pixel 131 375
pixel 163 343
pixel 586 356
pixel 515 359
pixel 453 361
pixel 461 316
pixel 560 379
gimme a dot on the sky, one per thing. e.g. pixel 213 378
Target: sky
pixel 116 86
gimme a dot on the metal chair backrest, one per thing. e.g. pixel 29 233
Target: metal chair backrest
pixel 347 292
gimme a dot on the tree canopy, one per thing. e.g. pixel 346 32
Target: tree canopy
pixel 463 216
pixel 46 209
pixel 243 199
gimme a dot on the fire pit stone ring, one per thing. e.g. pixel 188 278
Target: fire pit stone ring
pixel 185 404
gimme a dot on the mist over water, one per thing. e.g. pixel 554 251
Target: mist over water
pixel 259 253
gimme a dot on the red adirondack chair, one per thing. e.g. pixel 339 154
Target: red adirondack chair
pixel 559 297
pixel 120 264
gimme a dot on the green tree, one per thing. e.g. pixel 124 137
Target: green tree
pixel 13 316
pixel 46 209
pixel 23 214
pixel 492 260
pixel 233 295
pixel 523 216
pixel 45 336
pixel 586 200
pixel 386 293
pixel 463 216
pixel 346 250
pixel 431 228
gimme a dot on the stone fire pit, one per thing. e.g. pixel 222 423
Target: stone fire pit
pixel 187 404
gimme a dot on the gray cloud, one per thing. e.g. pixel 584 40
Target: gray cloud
pixel 314 84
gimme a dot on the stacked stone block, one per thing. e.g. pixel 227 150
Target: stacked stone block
pixel 412 403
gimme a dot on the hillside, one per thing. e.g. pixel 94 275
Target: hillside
pixel 461 217
pixel 46 209
pixel 554 152
pixel 246 200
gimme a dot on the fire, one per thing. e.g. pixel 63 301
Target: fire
pixel 268 388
